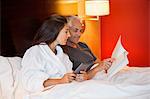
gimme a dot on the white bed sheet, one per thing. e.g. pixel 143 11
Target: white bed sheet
pixel 129 83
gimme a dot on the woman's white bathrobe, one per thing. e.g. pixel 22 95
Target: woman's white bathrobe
pixel 40 63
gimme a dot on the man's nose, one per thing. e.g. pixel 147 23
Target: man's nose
pixel 68 34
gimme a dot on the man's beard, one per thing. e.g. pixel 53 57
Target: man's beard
pixel 74 40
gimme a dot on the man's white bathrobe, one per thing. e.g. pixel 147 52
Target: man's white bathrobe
pixel 40 63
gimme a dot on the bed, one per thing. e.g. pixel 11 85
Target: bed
pixel 129 83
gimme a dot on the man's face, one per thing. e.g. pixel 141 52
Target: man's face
pixel 76 30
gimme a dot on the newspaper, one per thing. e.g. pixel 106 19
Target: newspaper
pixel 121 59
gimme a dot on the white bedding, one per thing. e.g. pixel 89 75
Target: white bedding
pixel 9 68
pixel 129 83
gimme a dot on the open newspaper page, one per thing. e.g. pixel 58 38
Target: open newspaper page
pixel 121 59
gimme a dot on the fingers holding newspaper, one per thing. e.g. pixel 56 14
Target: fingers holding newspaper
pixel 106 63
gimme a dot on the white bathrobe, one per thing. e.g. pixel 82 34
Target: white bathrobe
pixel 40 63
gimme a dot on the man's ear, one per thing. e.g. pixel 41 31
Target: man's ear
pixel 83 23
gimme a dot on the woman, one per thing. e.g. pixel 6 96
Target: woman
pixel 45 64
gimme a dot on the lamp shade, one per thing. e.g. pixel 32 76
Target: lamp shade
pixel 97 7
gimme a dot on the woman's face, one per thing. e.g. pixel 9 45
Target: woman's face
pixel 63 35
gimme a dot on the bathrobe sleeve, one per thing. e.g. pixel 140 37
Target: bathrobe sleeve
pixel 33 72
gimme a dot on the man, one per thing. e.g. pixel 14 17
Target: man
pixel 79 52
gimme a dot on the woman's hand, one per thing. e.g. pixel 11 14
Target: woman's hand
pixel 82 77
pixel 68 77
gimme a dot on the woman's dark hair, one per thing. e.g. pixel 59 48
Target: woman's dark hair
pixel 50 29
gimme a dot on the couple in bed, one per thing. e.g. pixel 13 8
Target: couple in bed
pixel 46 63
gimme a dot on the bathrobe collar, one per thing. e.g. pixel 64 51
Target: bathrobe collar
pixel 46 49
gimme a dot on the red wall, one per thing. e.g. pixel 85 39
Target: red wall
pixel 129 18
pixel 149 30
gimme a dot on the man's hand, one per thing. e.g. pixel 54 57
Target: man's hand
pixel 82 76
pixel 106 63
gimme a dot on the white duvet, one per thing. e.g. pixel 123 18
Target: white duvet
pixel 129 83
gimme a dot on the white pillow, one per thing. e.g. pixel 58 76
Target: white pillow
pixel 6 79
pixel 15 63
pixel 9 66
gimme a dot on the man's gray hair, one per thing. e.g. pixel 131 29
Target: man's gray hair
pixel 71 18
